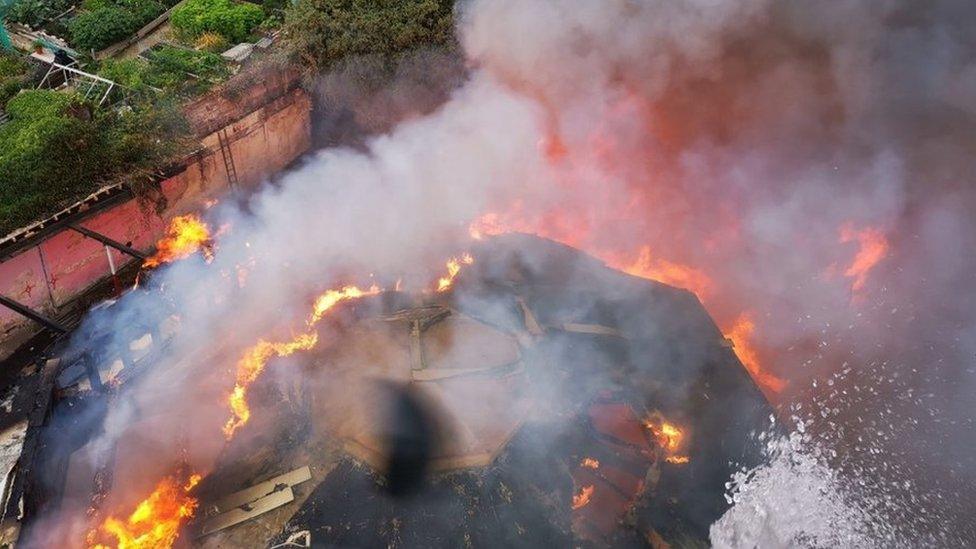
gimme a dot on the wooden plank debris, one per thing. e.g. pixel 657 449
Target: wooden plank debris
pixel 595 329
pixel 263 489
pixel 248 511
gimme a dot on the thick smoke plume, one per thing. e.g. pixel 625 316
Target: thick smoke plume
pixel 805 168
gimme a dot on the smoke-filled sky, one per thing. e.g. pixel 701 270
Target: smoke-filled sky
pixel 753 151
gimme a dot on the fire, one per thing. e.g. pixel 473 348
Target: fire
pixel 331 298
pixel 741 335
pixel 674 274
pixel 668 435
pixel 590 463
pixel 487 225
pixel 186 235
pixel 581 499
pixel 250 367
pixel 453 268
pixel 155 523
pixel 873 247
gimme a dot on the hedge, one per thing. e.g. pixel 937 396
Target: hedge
pixel 234 21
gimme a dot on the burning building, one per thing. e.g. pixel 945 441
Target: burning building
pixel 317 375
pixel 536 397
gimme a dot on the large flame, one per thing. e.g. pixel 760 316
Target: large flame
pixel 186 235
pixel 873 247
pixel 156 521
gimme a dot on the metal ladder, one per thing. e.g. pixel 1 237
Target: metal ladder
pixel 229 168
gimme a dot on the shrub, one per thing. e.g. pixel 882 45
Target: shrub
pixel 324 31
pixel 99 29
pixel 130 73
pixel 143 10
pixel 13 76
pixel 234 21
pixel 35 146
pixel 35 13
pixel 49 157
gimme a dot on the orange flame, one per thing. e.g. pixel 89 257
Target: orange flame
pixel 155 523
pixel 186 235
pixel 581 499
pixel 453 268
pixel 250 366
pixel 873 247
pixel 667 272
pixel 487 225
pixel 331 298
pixel 741 336
pixel 590 463
pixel 668 435
pixel 677 460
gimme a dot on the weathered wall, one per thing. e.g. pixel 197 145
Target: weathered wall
pixel 48 276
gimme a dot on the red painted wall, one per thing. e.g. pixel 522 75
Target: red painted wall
pixel 263 142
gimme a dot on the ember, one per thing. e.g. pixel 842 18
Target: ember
pixel 186 235
pixel 590 463
pixel 582 499
pixel 156 521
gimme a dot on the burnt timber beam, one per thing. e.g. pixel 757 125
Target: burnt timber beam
pixel 33 315
pixel 108 241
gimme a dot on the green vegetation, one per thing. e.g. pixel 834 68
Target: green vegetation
pixel 56 148
pixel 35 13
pixel 13 76
pixel 323 31
pixel 234 21
pixel 172 70
pixel 105 22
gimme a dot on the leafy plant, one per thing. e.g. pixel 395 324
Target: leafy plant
pixel 34 13
pixel 106 22
pixel 234 21
pixel 184 71
pixel 129 73
pixel 99 29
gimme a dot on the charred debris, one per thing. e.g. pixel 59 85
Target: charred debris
pixel 545 400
